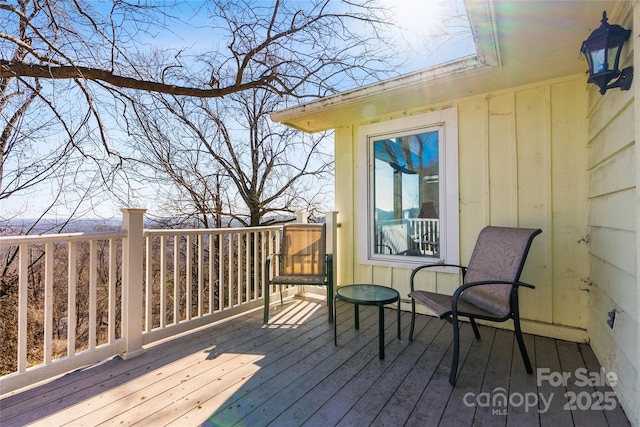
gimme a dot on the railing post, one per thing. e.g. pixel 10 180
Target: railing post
pixel 302 217
pixel 132 274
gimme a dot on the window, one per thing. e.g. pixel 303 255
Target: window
pixel 411 202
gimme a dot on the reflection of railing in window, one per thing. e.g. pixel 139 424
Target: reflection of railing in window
pixel 425 232
pixel 409 236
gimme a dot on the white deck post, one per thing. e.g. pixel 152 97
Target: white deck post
pixel 302 217
pixel 132 274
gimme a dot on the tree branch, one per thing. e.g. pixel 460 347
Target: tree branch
pixel 13 69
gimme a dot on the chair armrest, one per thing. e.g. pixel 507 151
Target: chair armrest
pixel 267 263
pixel 329 259
pixel 438 264
pixel 464 287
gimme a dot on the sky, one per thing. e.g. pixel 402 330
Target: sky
pixel 423 23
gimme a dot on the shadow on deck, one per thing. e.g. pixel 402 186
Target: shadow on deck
pixel 289 372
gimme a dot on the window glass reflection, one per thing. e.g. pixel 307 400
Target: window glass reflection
pixel 406 195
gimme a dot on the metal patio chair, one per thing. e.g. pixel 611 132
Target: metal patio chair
pixel 489 289
pixel 302 260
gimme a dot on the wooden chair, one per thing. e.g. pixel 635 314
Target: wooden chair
pixel 489 287
pixel 302 260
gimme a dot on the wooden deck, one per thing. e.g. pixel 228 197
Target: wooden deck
pixel 290 373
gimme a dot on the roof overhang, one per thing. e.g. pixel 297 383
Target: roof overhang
pixel 518 42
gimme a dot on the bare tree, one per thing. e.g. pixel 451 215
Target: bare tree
pixel 286 47
pixel 89 65
pixel 225 158
pixel 45 138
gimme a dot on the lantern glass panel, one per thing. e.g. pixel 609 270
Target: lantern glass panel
pixel 598 64
pixel 613 56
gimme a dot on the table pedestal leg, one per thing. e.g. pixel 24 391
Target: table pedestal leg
pixel 335 321
pixel 357 316
pixel 381 330
pixel 399 320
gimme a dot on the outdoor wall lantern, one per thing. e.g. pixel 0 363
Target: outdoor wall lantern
pixel 602 51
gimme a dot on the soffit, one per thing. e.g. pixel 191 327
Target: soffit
pixel 520 42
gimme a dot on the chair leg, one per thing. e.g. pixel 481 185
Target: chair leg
pixel 266 303
pixel 281 302
pixel 330 302
pixel 523 349
pixel 475 327
pixel 413 318
pixel 456 351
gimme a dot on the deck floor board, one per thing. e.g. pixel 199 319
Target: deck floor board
pixel 289 372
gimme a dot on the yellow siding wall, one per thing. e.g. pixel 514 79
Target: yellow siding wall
pixel 613 222
pixel 522 162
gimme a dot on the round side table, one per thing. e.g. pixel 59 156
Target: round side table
pixel 366 294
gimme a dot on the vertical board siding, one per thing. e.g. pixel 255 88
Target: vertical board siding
pixel 569 238
pixel 522 162
pixel 346 171
pixel 503 161
pixel 531 172
pixel 534 146
pixel 473 137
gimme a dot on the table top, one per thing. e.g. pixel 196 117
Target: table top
pixel 368 294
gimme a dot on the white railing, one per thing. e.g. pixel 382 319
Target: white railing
pixel 196 274
pixel 75 271
pixel 121 290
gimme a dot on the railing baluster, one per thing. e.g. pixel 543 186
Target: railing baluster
pixel 148 286
pixel 236 254
pixel 275 244
pixel 72 269
pixel 48 302
pixel 257 237
pixel 176 279
pixel 112 290
pixel 247 271
pixel 211 273
pixel 22 308
pixel 163 281
pixel 274 265
pixel 93 280
pixel 189 278
pixel 220 272
pixel 263 244
pixel 239 286
pixel 200 275
pixel 230 269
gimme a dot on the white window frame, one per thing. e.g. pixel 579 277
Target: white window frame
pixel 447 123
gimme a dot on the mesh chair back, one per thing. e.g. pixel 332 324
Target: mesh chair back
pixel 303 250
pixel 499 254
